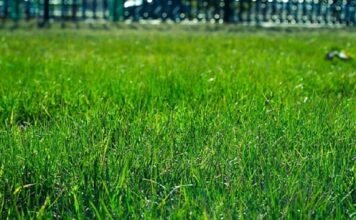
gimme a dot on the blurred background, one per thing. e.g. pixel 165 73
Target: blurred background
pixel 248 12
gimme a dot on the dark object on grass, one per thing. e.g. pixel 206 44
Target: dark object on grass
pixel 342 55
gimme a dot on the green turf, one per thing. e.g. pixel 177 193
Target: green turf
pixel 179 125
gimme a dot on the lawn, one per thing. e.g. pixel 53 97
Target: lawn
pixel 147 124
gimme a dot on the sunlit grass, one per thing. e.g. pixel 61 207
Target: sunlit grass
pixel 181 125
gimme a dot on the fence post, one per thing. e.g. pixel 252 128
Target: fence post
pixel 117 9
pixel 6 9
pixel 74 10
pixel 84 8
pixel 105 8
pixel 114 10
pixel 227 11
pixel 63 13
pixel 94 9
pixel 16 10
pixel 28 10
pixel 46 11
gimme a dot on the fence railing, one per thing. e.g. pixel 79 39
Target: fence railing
pixel 305 12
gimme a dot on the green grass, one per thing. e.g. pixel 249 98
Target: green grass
pixel 180 125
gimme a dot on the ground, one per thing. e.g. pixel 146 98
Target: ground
pixel 178 124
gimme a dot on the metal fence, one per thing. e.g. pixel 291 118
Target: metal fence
pixel 255 12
